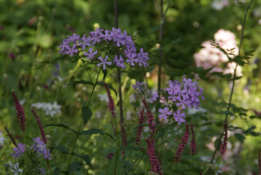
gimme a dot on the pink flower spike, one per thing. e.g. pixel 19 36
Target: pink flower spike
pixel 20 111
pixel 40 126
pixel 193 145
pixel 223 146
pixel 181 147
pixel 141 121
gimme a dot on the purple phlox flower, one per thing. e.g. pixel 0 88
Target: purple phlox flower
pixel 183 101
pixel 116 33
pixel 154 96
pixel 103 62
pixel 179 117
pixel 131 59
pixel 142 58
pixel 119 62
pixel 40 147
pixel 164 113
pixel 72 50
pixel 64 46
pixel 91 54
pixel 96 36
pixel 85 42
pixel 187 82
pixel 74 38
pixel 18 151
pixel 42 171
pixel 107 35
pixel 174 88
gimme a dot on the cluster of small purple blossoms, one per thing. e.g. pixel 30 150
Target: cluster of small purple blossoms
pixel 112 39
pixel 39 147
pixel 183 95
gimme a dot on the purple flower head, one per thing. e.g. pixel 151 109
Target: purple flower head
pixel 179 117
pixel 107 35
pixel 139 87
pixel 103 62
pixel 74 38
pixel 119 62
pixel 142 58
pixel 40 147
pixel 72 50
pixel 164 113
pixel 132 59
pixel 85 42
pixel 42 171
pixel 91 54
pixel 154 96
pixel 18 151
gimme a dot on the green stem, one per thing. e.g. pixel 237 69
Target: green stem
pixel 117 146
pixel 79 129
pixel 138 163
pixel 233 80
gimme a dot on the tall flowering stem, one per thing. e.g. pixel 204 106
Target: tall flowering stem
pixel 234 76
pixel 20 111
pixel 151 122
pixel 11 137
pixel 181 147
pixel 141 121
pixel 110 102
pixel 223 146
pixel 40 126
pixel 154 162
pixel 193 145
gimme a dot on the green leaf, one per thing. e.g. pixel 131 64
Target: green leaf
pixel 240 137
pixel 61 125
pixel 154 29
pixel 250 129
pixel 57 171
pixel 62 149
pixel 132 148
pixel 86 158
pixel 127 164
pixel 86 114
pixel 94 131
pixel 82 82
pixel 75 166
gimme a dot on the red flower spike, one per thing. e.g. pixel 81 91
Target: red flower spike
pixel 181 147
pixel 151 122
pixel 20 111
pixel 111 101
pixel 223 146
pixel 154 162
pixel 40 126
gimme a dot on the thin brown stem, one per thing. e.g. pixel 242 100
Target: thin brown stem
pixel 233 80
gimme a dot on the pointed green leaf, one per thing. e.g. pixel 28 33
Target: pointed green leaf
pixel 61 125
pixel 240 137
pixel 94 131
pixel 86 114
pixel 75 166
pixel 86 158
pixel 110 87
pixel 82 82
pixel 62 149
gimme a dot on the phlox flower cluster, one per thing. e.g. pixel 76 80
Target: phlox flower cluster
pixel 183 95
pixel 119 44
pixel 50 109
pixel 212 57
pixel 39 147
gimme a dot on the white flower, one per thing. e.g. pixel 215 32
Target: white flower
pixel 128 115
pixel 2 139
pixel 98 114
pixel 14 168
pixel 103 97
pixel 50 109
pixel 132 98
pixel 219 4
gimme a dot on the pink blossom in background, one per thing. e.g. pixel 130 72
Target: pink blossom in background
pixel 212 57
